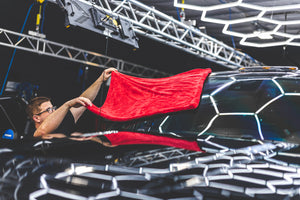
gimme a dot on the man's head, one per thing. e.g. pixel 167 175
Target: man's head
pixel 39 108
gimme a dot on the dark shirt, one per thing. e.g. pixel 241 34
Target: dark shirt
pixel 66 127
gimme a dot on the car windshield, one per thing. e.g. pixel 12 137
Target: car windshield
pixel 259 106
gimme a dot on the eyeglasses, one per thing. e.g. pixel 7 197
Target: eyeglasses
pixel 49 110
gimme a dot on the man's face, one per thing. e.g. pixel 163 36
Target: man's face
pixel 46 109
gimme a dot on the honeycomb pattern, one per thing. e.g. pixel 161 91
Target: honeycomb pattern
pixel 275 91
pixel 228 175
pixel 277 27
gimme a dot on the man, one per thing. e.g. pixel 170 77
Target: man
pixel 50 122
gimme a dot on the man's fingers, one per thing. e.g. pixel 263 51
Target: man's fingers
pixel 84 101
pixel 107 73
pixel 109 70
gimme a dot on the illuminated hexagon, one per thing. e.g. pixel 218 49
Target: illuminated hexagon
pixel 280 17
pixel 289 84
pixel 241 29
pixel 290 30
pixel 230 15
pixel 290 15
pixel 189 4
pixel 263 28
pixel 245 126
pixel 255 41
pixel 282 113
pixel 249 95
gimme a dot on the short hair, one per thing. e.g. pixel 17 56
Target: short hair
pixel 33 106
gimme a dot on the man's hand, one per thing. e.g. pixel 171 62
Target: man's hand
pixel 79 138
pixel 53 135
pixel 95 139
pixel 79 101
pixel 107 73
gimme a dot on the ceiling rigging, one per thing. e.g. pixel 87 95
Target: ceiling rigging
pixel 151 23
pixel 257 23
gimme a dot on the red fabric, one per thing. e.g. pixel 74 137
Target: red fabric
pixel 130 97
pixel 127 138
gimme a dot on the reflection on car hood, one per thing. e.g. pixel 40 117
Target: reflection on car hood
pixel 252 171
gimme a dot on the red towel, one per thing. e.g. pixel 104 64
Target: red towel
pixel 127 138
pixel 130 97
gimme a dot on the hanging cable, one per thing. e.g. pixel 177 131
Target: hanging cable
pixel 182 13
pixel 230 26
pixel 287 56
pixel 106 46
pixel 43 16
pixel 178 14
pixel 12 58
pixel 98 119
pixel 101 99
pixel 39 15
pixel 83 74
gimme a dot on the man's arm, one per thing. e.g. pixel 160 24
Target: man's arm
pixel 92 92
pixel 52 122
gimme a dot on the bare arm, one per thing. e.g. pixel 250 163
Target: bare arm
pixel 76 106
pixel 92 92
pixel 52 122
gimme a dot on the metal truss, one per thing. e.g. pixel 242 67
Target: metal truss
pixel 157 156
pixel 61 51
pixel 156 25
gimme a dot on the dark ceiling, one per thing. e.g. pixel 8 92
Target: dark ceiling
pixel 56 76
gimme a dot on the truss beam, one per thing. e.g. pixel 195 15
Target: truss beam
pixel 61 51
pixel 156 25
pixel 158 156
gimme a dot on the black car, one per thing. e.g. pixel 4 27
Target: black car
pixel 246 128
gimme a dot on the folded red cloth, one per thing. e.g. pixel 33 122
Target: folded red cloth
pixel 130 97
pixel 129 138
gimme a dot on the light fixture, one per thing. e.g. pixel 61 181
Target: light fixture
pixel 263 35
pixel 263 38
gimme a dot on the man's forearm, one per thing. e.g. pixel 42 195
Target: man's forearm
pixel 93 90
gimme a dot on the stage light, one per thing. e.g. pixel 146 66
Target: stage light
pixel 89 16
